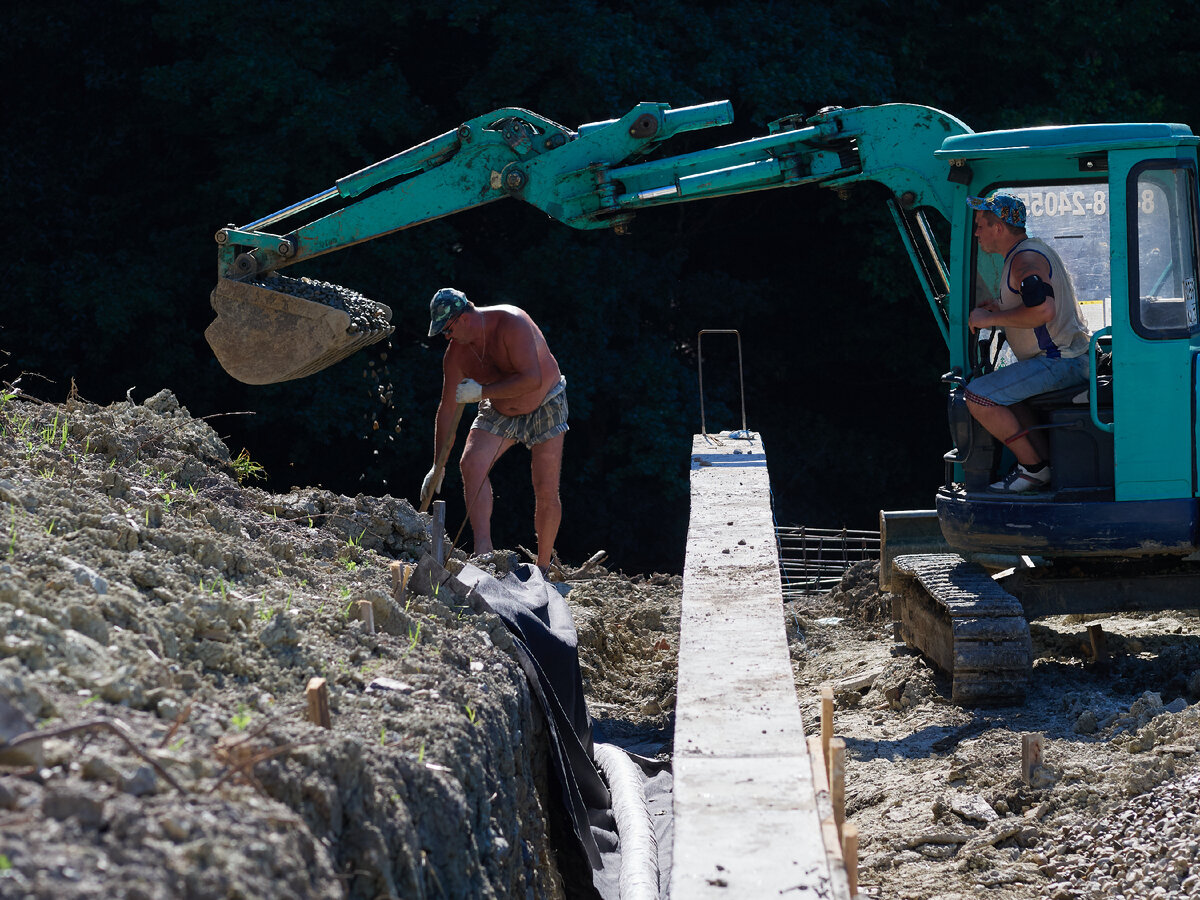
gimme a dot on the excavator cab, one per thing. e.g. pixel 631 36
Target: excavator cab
pixel 1119 205
pixel 1072 219
pixel 1118 527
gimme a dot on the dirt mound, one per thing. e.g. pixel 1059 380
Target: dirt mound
pixel 161 618
pixel 936 790
pixel 858 594
pixel 628 645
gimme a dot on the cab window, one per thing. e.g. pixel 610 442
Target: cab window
pixel 1162 230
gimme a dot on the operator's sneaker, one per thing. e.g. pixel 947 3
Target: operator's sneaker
pixel 1020 480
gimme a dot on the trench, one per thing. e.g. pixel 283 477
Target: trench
pixel 750 811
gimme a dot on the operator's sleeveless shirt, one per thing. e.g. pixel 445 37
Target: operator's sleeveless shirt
pixel 1063 337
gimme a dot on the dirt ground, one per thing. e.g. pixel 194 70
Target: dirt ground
pixel 936 790
pixel 160 620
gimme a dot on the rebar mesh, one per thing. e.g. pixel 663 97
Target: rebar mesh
pixel 813 560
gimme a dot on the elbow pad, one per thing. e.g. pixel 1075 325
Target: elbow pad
pixel 1034 291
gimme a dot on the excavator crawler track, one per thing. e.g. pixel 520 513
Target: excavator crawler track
pixel 971 628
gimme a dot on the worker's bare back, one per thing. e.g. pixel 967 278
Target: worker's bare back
pixel 510 357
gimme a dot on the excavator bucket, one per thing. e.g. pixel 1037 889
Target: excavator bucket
pixel 278 328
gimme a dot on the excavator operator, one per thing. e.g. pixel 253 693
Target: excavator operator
pixel 1043 325
pixel 497 357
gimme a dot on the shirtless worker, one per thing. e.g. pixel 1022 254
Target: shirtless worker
pixel 498 358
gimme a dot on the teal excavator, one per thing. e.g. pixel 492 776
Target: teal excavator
pixel 1117 528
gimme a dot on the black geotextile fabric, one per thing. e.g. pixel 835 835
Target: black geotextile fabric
pixel 547 645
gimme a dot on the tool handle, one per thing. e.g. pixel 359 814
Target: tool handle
pixel 443 455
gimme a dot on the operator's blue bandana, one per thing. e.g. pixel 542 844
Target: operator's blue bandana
pixel 445 305
pixel 1006 206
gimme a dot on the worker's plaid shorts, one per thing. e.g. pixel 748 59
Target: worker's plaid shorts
pixel 547 421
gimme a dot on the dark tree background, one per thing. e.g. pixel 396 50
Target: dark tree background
pixel 135 129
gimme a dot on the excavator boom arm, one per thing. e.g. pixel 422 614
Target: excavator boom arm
pixel 506 153
pixel 597 176
pixel 592 178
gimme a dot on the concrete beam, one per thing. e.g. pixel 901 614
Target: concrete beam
pixel 746 816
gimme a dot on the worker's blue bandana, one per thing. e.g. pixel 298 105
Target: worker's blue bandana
pixel 445 305
pixel 1006 206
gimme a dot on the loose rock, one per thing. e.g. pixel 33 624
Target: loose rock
pixel 935 789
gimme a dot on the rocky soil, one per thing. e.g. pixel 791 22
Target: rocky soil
pixel 161 617
pixel 160 620
pixel 936 790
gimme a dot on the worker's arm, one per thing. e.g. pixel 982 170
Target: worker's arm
pixel 1017 317
pixel 452 374
pixel 1032 272
pixel 443 425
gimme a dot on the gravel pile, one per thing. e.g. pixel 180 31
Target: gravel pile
pixel 859 595
pixel 1148 846
pixel 366 315
pixel 936 790
pixel 628 651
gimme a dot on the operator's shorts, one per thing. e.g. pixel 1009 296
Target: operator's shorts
pixel 547 421
pixel 1023 379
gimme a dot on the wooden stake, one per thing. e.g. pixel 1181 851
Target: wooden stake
pixel 837 781
pixel 318 702
pixel 826 721
pixel 366 612
pixel 816 756
pixel 1099 644
pixel 833 844
pixel 437 531
pixel 1032 746
pixel 829 827
pixel 401 572
pixel 850 855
